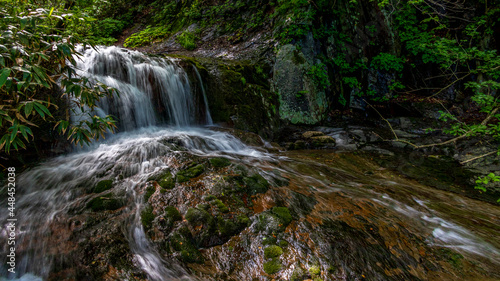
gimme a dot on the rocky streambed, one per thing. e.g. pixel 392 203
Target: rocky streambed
pixel 201 205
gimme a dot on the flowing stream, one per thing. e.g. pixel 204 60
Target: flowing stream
pixel 345 222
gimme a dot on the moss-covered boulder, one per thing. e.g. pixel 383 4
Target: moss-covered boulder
pixel 284 214
pixel 197 216
pixel 302 101
pixel 181 241
pixel 272 251
pixel 323 141
pixel 166 181
pixel 256 184
pixel 272 266
pixel 220 162
pixel 192 172
pixel 103 186
pixel 220 206
pixel 172 214
pixel 103 203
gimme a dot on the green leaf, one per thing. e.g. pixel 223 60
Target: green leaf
pixel 4 75
pixel 28 108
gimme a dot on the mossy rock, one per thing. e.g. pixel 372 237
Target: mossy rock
pixel 243 220
pixel 256 184
pixel 268 223
pixel 220 162
pixel 221 206
pixel 272 266
pixel 299 274
pixel 150 190
pixel 181 241
pixel 226 228
pixel 167 181
pixel 103 203
pixel 198 216
pixel 172 214
pixel 147 217
pixel 283 243
pixel 185 175
pixel 209 197
pixel 103 186
pixel 273 251
pixel 315 270
pixel 284 214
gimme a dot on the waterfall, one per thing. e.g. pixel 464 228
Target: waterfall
pixel 152 90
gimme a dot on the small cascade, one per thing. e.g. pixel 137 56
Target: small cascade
pixel 152 90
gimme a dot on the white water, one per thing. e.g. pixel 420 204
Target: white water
pixel 152 91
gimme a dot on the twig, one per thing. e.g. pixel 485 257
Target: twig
pixel 477 157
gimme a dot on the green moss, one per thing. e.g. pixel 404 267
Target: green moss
pixel 147 217
pixel 185 175
pixel 220 162
pixel 104 203
pixel 455 259
pixel 221 206
pixel 197 216
pixel 243 220
pixel 273 252
pixel 315 270
pixel 103 186
pixel 226 228
pixel 272 266
pixel 283 213
pixel 283 243
pixel 149 192
pixel 167 181
pixel 172 214
pixel 256 184
pixel 181 241
pixel 209 198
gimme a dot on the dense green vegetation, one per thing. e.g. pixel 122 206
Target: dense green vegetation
pixel 37 82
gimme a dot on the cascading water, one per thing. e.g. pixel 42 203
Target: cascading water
pixel 346 225
pixel 152 90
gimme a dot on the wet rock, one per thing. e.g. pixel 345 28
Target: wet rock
pixel 403 134
pixel 300 144
pixel 310 134
pixel 323 141
pixel 104 202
